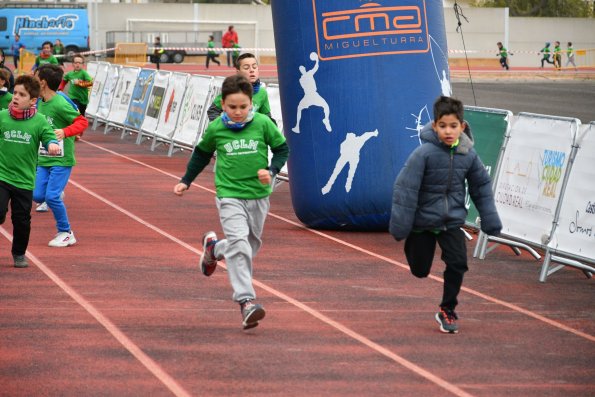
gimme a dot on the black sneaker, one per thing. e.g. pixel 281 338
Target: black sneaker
pixel 208 262
pixel 447 320
pixel 20 261
pixel 252 313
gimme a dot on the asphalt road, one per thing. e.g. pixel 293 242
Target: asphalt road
pixel 556 98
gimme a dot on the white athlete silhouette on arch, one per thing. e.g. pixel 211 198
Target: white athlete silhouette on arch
pixel 311 95
pixel 349 154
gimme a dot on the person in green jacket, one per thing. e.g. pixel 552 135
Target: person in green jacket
pixel 22 129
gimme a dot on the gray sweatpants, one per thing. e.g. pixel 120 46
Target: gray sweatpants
pixel 242 222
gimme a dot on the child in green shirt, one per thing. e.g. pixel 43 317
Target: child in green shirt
pixel 211 54
pixel 22 129
pixel 247 66
pixel 5 96
pixel 243 178
pixel 46 55
pixel 53 171
pixel 80 82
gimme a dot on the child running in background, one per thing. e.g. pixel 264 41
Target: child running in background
pixel 46 55
pixel 211 54
pixel 545 51
pixel 570 55
pixel 429 202
pixel 80 82
pixel 247 66
pixel 243 178
pixel 5 95
pixel 503 54
pixel 53 172
pixel 557 55
pixel 22 129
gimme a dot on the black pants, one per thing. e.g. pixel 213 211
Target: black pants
pixel 21 201
pixel 419 250
pixel 504 62
pixel 212 57
pixel 82 107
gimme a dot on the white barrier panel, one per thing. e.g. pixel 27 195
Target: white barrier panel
pixel 92 68
pixel 275 104
pixel 193 110
pixel 155 103
pixel 123 95
pixel 113 71
pixel 575 233
pixel 140 99
pixel 173 102
pixel 97 90
pixel 530 179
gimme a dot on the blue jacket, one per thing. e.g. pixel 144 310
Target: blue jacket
pixel 429 192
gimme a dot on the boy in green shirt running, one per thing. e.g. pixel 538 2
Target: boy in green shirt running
pixel 46 55
pixel 53 171
pixel 22 129
pixel 243 179
pixel 247 66
pixel 80 82
pixel 5 95
pixel 211 54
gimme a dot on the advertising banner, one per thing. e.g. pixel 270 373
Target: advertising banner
pixel 194 110
pixel 140 99
pixel 97 89
pixel 123 95
pixel 172 103
pixel 489 128
pixel 575 233
pixel 531 175
pixel 155 103
pixel 111 80
pixel 358 81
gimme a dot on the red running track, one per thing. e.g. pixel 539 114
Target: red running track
pixel 126 312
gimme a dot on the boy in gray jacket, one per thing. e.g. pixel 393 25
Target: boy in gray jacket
pixel 429 202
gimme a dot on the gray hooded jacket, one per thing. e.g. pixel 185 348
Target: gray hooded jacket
pixel 429 192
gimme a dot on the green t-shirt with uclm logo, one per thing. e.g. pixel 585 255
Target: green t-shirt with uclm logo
pixel 19 144
pixel 60 114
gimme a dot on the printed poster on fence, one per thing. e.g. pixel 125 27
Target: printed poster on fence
pixel 172 103
pixel 140 99
pixel 123 95
pixel 155 101
pixel 97 89
pixel 194 106
pixel 107 93
pixel 531 175
pixel 575 233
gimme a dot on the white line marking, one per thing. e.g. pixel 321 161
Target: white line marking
pixel 129 345
pixel 360 338
pixel 380 257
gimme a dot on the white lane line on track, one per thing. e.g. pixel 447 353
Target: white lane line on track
pixel 488 298
pixel 129 345
pixel 352 334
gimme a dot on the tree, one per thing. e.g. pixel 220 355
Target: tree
pixel 542 8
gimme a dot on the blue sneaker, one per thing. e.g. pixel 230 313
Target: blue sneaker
pixel 208 261
pixel 447 320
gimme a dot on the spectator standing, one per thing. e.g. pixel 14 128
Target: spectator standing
pixel 228 40
pixel 16 50
pixel 59 51
pixel 10 85
pixel 157 51
pixel 211 54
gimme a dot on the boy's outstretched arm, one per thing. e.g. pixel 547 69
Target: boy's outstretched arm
pixel 197 163
pixel 77 127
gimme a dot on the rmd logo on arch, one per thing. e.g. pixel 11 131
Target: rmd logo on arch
pixel 359 28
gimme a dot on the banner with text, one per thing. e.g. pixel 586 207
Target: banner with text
pixel 140 99
pixel 530 178
pixel 111 80
pixel 155 101
pixel 194 109
pixel 123 95
pixel 97 89
pixel 575 233
pixel 173 102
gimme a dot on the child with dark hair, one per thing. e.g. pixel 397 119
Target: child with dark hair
pixel 243 176
pixel 46 55
pixel 211 53
pixel 53 172
pixel 10 85
pixel 247 66
pixel 429 202
pixel 5 95
pixel 80 82
pixel 22 129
